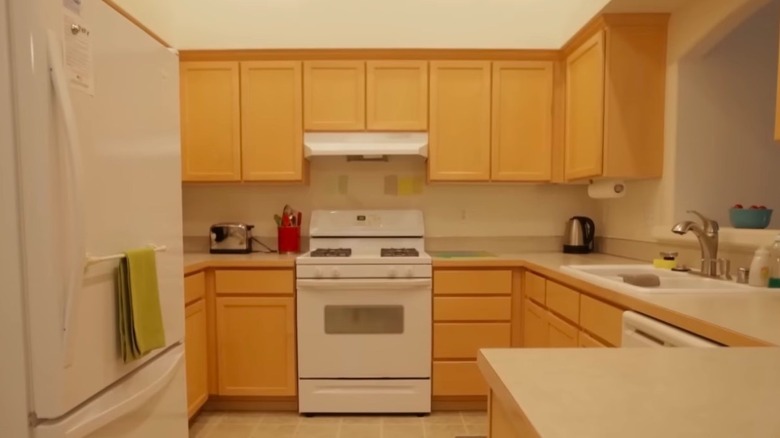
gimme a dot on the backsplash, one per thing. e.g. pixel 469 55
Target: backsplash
pixel 451 209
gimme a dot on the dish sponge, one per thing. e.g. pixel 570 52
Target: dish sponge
pixel 642 280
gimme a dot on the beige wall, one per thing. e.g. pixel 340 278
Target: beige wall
pixel 208 24
pixel 450 209
pixel 693 31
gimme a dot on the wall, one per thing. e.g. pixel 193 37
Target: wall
pixel 160 16
pixel 728 100
pixel 234 24
pixel 450 209
pixel 693 31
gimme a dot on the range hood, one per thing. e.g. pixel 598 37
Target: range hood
pixel 364 144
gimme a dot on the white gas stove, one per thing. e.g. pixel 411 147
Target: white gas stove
pixel 364 314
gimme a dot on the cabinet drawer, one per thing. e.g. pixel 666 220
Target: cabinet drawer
pixel 472 282
pixel 463 340
pixel 560 334
pixel 563 301
pixel 586 341
pixel 472 309
pixel 271 281
pixel 535 287
pixel 194 287
pixel 461 378
pixel 601 319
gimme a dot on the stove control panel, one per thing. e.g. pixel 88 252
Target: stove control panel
pixel 364 271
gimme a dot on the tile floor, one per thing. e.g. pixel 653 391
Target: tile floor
pixel 290 425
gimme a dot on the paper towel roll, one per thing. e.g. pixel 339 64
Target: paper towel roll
pixel 607 189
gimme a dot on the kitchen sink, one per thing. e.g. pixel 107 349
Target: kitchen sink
pixel 671 282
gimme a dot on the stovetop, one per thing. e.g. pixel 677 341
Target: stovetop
pixel 398 252
pixel 331 252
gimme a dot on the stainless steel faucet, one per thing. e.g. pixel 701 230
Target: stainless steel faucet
pixel 707 233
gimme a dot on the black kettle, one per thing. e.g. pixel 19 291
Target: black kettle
pixel 579 235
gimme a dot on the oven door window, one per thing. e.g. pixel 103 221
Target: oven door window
pixel 364 320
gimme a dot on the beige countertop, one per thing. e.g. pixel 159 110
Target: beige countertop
pixel 194 262
pixel 638 392
pixel 737 319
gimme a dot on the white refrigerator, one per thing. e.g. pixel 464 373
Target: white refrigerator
pixel 89 167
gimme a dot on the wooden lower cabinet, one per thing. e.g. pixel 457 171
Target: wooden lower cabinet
pixel 196 357
pixel 256 346
pixel 458 378
pixel 560 334
pixel 587 341
pixel 463 340
pixel 535 334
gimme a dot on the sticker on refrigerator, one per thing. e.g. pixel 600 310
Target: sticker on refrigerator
pixel 73 5
pixel 77 53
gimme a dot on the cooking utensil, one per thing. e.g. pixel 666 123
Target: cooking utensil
pixel 278 220
pixel 299 219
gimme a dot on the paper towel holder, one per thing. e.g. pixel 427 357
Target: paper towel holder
pixel 605 189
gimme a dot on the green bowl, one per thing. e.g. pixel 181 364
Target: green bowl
pixel 756 219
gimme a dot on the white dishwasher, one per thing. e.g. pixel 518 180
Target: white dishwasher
pixel 642 331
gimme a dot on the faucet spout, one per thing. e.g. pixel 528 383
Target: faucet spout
pixel 707 234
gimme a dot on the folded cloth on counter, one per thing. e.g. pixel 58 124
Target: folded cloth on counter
pixel 140 323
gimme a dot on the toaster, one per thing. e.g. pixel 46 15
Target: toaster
pixel 230 238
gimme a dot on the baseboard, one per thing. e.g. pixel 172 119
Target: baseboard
pixel 459 404
pixel 270 404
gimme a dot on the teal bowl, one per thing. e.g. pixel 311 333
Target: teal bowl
pixel 750 218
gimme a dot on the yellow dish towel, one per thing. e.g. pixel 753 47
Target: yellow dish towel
pixel 138 305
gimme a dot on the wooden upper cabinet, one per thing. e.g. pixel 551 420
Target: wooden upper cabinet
pixel 334 95
pixel 615 97
pixel 272 121
pixel 397 95
pixel 522 121
pixel 459 132
pixel 256 346
pixel 584 137
pixel 210 121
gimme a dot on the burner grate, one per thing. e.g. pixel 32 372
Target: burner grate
pixel 399 252
pixel 332 252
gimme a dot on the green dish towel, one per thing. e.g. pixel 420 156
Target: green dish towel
pixel 138 305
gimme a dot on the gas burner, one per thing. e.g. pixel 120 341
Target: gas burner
pixel 332 252
pixel 399 252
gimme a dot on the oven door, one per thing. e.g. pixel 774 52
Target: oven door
pixel 364 328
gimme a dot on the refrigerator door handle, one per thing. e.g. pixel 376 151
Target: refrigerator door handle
pixel 75 190
pixel 127 397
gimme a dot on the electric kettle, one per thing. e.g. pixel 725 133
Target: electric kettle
pixel 579 235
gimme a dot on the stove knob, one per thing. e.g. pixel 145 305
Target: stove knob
pixel 318 272
pixel 409 272
pixel 392 273
pixel 335 273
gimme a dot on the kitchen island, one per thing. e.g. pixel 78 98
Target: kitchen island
pixel 643 392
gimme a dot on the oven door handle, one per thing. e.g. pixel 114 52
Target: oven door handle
pixel 350 284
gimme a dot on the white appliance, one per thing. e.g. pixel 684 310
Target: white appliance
pixel 97 174
pixel 642 331
pixel 364 314
pixel 365 144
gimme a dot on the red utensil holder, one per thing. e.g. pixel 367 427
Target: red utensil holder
pixel 289 240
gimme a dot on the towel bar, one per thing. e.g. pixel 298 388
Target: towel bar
pixel 91 260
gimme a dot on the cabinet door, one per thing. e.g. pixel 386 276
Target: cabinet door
pixel 587 341
pixel 459 136
pixel 334 95
pixel 272 121
pixel 397 95
pixel 534 325
pixel 195 356
pixel 256 346
pixel 210 121
pixel 584 136
pixel 522 121
pixel 560 334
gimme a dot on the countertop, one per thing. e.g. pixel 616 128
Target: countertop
pixel 194 262
pixel 736 319
pixel 638 392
